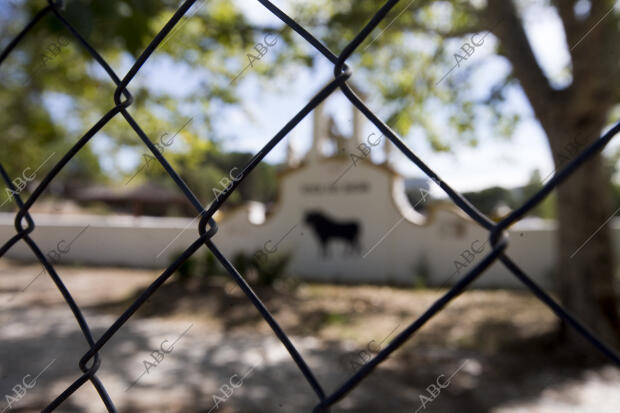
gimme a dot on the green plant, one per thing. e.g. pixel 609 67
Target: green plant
pixel 242 262
pixel 210 265
pixel 272 269
pixel 186 270
pixel 421 273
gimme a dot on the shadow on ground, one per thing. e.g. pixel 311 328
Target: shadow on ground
pixel 491 351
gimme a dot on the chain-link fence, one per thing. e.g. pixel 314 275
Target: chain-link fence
pixel 90 362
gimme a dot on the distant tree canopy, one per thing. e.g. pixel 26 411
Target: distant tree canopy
pixel 53 91
pixel 208 173
pixel 488 200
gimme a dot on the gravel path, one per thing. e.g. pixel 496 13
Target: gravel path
pixel 204 362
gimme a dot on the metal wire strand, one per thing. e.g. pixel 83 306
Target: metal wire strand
pixel 122 99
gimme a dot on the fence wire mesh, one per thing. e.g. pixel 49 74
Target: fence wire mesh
pixel 90 362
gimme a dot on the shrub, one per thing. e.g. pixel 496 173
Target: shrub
pixel 421 273
pixel 264 270
pixel 186 270
pixel 270 270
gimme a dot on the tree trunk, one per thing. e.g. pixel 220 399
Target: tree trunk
pixel 585 257
pixel 585 261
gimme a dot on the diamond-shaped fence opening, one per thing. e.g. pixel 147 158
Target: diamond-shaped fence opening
pixel 207 227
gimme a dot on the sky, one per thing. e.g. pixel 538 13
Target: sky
pixel 495 161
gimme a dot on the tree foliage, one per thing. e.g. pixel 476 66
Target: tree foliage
pixel 416 44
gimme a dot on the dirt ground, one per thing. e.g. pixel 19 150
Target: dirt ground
pixel 488 351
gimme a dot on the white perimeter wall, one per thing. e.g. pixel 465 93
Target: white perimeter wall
pixel 151 242
pixel 394 238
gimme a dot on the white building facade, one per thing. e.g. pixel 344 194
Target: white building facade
pixel 340 218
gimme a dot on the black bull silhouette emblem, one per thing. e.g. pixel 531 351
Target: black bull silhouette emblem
pixel 326 229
